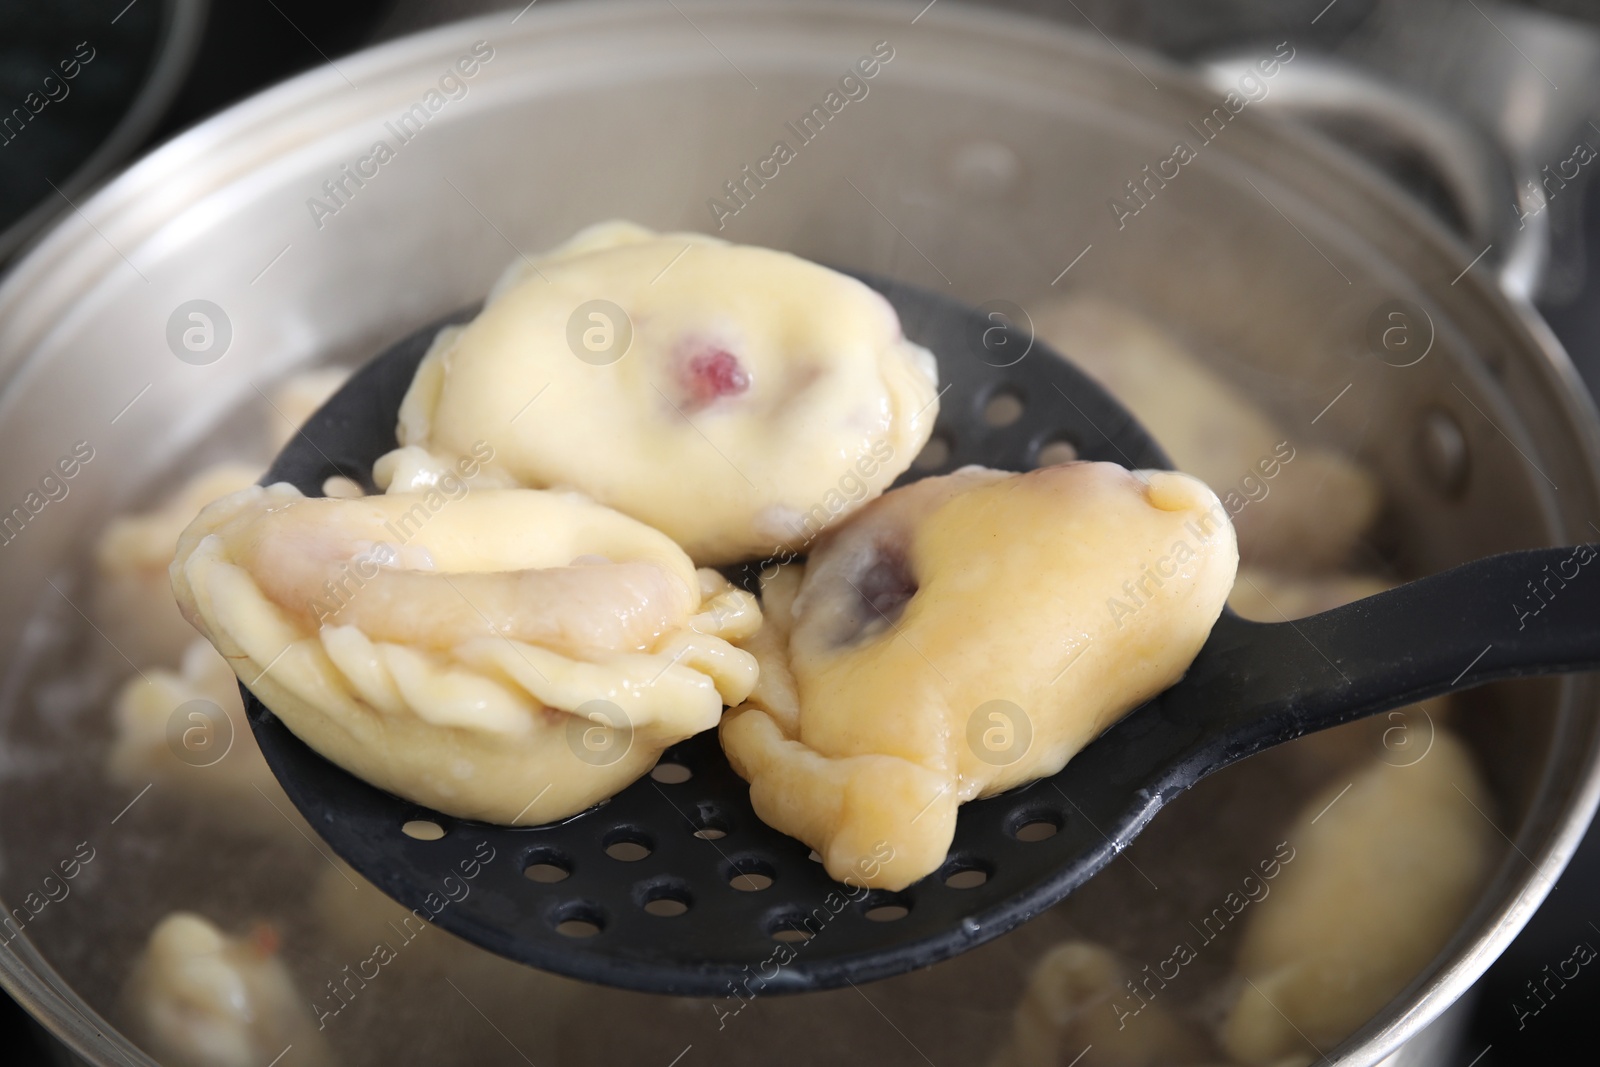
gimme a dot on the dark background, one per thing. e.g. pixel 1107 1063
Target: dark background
pixel 251 43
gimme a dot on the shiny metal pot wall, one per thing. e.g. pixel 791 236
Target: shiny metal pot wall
pixel 990 157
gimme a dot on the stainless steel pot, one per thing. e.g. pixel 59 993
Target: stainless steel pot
pixel 983 161
pixel 182 24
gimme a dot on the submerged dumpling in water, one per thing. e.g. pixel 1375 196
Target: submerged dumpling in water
pixel 507 655
pixel 186 729
pixel 200 998
pixel 1295 506
pixel 963 635
pixel 1071 1008
pixel 1390 862
pixel 132 595
pixel 738 399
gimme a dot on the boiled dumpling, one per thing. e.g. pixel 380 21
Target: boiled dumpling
pixel 200 998
pixel 133 602
pixel 963 635
pixel 187 730
pixel 738 399
pixel 1072 1013
pixel 507 655
pixel 132 594
pixel 1386 867
pixel 1295 506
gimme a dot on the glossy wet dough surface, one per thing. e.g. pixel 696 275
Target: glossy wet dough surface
pixel 967 634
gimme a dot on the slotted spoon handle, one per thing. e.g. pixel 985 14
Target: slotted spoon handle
pixel 1257 684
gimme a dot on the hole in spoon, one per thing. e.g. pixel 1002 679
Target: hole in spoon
pixel 1002 409
pixel 883 907
pixel 790 929
pixel 934 454
pixel 579 920
pixel 750 875
pixel 1056 452
pixel 423 830
pixel 665 899
pixel 709 825
pixel 671 773
pixel 628 847
pixel 546 866
pixel 970 878
pixel 666 907
pixel 1036 828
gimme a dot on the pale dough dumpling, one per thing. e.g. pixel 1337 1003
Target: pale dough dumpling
pixel 187 730
pixel 759 398
pixel 200 998
pixel 1071 1013
pixel 507 655
pixel 1383 874
pixel 132 594
pixel 963 635
pixel 133 602
pixel 1295 506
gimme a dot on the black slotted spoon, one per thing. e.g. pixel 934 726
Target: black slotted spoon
pixel 721 904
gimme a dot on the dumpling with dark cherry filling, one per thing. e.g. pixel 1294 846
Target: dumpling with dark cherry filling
pixel 963 635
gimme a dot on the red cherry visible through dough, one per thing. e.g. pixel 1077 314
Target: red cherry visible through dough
pixel 714 374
